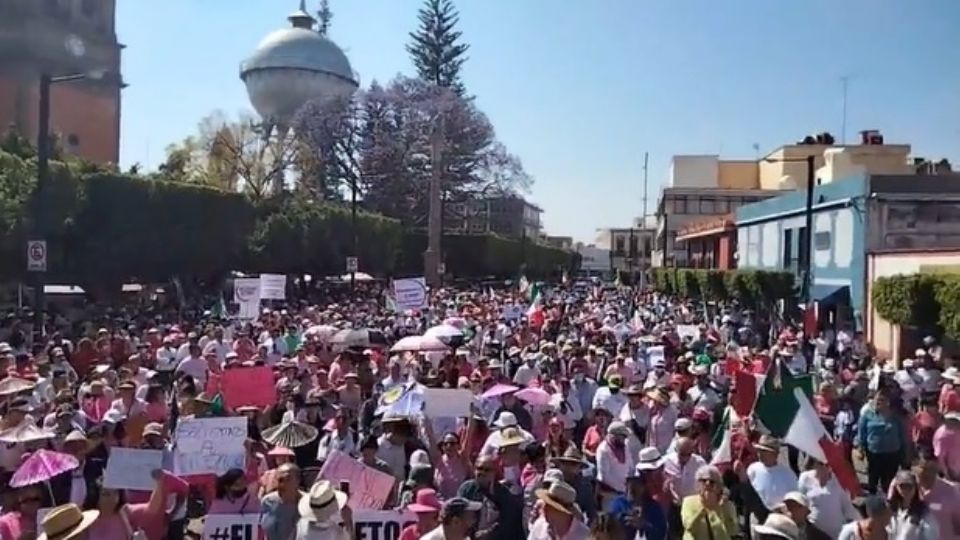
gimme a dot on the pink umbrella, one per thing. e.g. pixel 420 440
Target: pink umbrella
pixel 499 390
pixel 419 344
pixel 41 466
pixel 534 396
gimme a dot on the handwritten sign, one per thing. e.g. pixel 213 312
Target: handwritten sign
pixel 410 293
pixel 248 386
pixel 381 524
pixel 655 355
pixel 246 292
pixel 209 445
pixel 231 527
pixel 132 468
pixel 512 312
pixel 369 488
pixel 273 286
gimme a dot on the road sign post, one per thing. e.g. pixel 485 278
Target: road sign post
pixel 37 256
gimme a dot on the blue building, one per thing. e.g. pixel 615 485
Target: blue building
pixel 852 217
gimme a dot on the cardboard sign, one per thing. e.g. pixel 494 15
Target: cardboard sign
pixel 248 386
pixel 132 468
pixel 273 286
pixel 231 527
pixel 381 524
pixel 369 488
pixel 655 354
pixel 209 445
pixel 410 293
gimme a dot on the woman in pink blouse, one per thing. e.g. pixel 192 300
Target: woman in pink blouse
pixel 119 520
pixel 21 519
pixel 451 462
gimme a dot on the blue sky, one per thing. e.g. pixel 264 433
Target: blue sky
pixel 580 89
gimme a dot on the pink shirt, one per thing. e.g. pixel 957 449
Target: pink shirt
pixel 943 500
pixel 13 524
pixel 946 446
pixel 449 473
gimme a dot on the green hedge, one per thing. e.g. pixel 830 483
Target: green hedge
pixel 751 287
pixel 104 229
pixel 925 301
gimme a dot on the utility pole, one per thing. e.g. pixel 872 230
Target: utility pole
pixel 643 225
pixel 43 173
pixel 432 256
pixel 843 123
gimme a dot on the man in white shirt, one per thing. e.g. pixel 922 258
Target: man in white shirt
pixel 167 356
pixel 614 463
pixel 770 479
pixel 567 406
pixel 910 383
pixel 636 415
pixel 527 371
pixel 196 366
pixel 701 394
pixel 680 470
pixel 217 345
pixel 609 397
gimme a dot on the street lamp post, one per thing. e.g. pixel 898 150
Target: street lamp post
pixel 43 174
pixel 805 264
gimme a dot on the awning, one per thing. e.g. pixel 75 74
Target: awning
pixel 830 295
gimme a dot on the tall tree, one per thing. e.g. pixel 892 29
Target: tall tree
pixel 436 48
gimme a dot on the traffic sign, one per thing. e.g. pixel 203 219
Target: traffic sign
pixel 441 268
pixel 37 256
pixel 353 264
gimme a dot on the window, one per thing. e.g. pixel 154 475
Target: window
pixel 722 206
pixel 787 248
pixel 708 206
pixel 619 246
pixel 680 204
pixel 803 254
pixel 821 241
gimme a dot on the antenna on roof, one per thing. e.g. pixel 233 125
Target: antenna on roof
pixel 325 15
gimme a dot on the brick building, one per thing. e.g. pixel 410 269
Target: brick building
pixel 63 37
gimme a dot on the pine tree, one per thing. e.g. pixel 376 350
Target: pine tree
pixel 435 47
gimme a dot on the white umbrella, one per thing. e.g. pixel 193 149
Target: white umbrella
pixel 419 344
pixel 444 331
pixel 357 337
pixel 323 332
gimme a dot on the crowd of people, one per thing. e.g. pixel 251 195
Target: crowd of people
pixel 594 413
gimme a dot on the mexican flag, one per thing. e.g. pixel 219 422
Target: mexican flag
pixel 746 390
pixel 535 311
pixel 722 442
pixel 783 406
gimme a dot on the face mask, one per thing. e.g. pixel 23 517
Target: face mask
pixel 614 391
pixel 578 377
pixel 618 443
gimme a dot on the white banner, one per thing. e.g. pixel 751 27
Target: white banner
pixel 273 287
pixel 231 527
pixel 209 445
pixel 381 524
pixel 410 293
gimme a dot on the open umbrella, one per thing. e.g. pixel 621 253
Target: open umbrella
pixel 358 337
pixel 323 332
pixel 446 333
pixel 290 434
pixel 24 433
pixel 499 390
pixel 41 466
pixel 534 396
pixel 419 344
pixel 14 385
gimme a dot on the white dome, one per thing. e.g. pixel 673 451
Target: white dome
pixel 291 67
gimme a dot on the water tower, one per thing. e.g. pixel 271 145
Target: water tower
pixel 293 66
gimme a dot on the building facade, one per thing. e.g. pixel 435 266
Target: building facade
pixel 509 216
pixel 63 37
pixel 710 243
pixel 594 260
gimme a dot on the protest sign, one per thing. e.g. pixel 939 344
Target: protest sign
pixel 369 488
pixel 512 312
pixel 444 402
pixel 273 286
pixel 410 293
pixel 381 524
pixel 248 386
pixel 654 355
pixel 688 331
pixel 231 527
pixel 209 445
pixel 246 293
pixel 132 468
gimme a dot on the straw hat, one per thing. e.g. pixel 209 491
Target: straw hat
pixel 510 437
pixel 561 496
pixel 153 428
pixel 768 443
pixel 14 385
pixel 24 433
pixel 779 525
pixel 66 522
pixel 321 503
pixel 649 459
pixel 570 455
pixel 290 434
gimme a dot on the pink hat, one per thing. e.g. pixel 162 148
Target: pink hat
pixel 426 502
